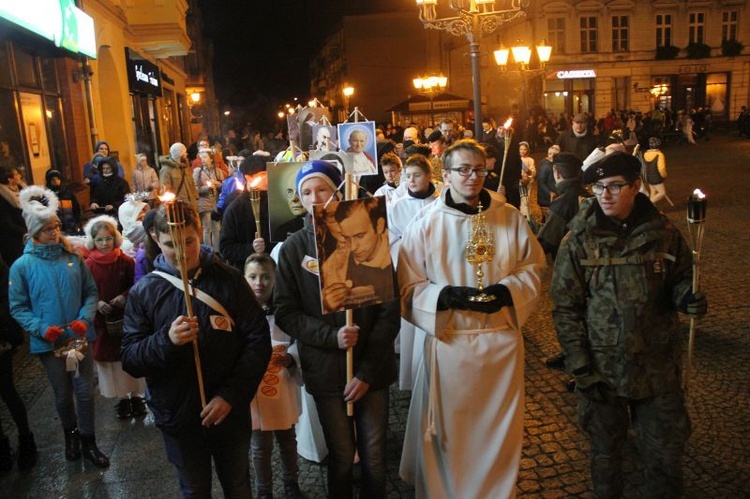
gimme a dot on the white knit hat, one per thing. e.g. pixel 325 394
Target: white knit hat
pixel 90 226
pixel 39 207
pixel 177 150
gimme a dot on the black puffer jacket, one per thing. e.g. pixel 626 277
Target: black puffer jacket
pixel 233 362
pixel 298 313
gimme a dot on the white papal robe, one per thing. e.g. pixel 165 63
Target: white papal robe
pixel 465 428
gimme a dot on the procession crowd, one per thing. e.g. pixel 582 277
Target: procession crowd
pixel 191 310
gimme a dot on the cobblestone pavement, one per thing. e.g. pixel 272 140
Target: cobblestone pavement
pixel 555 454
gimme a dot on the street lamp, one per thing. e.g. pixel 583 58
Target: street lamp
pixel 480 18
pixel 522 57
pixel 348 92
pixel 431 86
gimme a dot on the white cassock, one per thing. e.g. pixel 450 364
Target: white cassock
pixel 410 340
pixel 465 428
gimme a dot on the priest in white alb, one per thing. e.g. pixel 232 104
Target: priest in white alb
pixel 465 428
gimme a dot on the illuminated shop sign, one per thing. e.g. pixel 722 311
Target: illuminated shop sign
pixel 59 21
pixel 143 76
pixel 576 73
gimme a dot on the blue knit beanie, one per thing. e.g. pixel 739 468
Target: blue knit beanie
pixel 321 169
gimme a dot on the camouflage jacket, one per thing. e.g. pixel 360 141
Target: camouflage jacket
pixel 616 294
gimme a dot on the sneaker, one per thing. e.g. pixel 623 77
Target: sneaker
pixel 123 409
pixel 139 406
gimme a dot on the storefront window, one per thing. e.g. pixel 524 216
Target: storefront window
pixel 49 74
pixel 5 78
pixel 57 134
pixel 26 69
pixel 10 136
pixel 716 94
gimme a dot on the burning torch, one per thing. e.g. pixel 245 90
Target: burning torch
pixel 507 136
pixel 254 192
pixel 696 220
pixel 174 210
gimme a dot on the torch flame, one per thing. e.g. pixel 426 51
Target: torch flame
pixel 698 194
pixel 238 186
pixel 508 123
pixel 255 183
pixel 167 197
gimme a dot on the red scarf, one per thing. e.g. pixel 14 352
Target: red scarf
pixel 105 258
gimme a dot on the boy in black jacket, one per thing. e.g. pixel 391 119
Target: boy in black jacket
pixel 234 344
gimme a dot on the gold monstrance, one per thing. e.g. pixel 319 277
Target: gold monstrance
pixel 479 249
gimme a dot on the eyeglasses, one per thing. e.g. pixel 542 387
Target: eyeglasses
pixel 466 171
pixel 51 230
pixel 614 188
pixel 102 240
pixel 290 193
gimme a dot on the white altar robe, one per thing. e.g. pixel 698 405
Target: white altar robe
pixel 410 340
pixel 465 428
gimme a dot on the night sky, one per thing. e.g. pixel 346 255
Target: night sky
pixel 262 49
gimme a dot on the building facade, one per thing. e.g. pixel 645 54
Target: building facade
pixel 622 54
pixel 129 90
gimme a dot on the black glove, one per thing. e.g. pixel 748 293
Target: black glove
pixel 501 293
pixel 216 216
pixel 695 305
pixel 456 297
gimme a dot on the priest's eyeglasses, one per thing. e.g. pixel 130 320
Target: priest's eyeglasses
pixel 466 171
pixel 614 188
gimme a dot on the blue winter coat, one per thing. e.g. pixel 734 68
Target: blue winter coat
pixel 233 362
pixel 50 285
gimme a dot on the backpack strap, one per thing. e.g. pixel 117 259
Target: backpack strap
pixel 197 293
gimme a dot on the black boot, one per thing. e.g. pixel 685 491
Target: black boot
pixel 6 455
pixel 92 452
pixel 26 451
pixel 72 444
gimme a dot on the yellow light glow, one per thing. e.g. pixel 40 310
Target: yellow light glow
pixel 195 97
pixel 348 91
pixel 501 56
pixel 521 54
pixel 544 51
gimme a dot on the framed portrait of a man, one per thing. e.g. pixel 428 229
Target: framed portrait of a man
pixel 325 138
pixel 354 255
pixel 358 140
pixel 285 211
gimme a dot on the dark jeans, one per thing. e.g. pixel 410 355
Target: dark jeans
pixel 228 443
pixel 10 395
pixel 65 385
pixel 262 445
pixel 371 421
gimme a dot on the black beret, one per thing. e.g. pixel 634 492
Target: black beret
pixel 568 164
pixel 611 165
pixel 418 149
pixel 435 136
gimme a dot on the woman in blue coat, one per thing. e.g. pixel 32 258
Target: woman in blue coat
pixel 53 296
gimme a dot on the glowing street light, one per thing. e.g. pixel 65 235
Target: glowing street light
pixel 472 19
pixel 348 91
pixel 431 86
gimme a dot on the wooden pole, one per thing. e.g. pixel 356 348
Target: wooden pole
pixel 350 192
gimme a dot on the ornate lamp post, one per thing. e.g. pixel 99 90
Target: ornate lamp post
pixel 522 57
pixel 472 19
pixel 431 86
